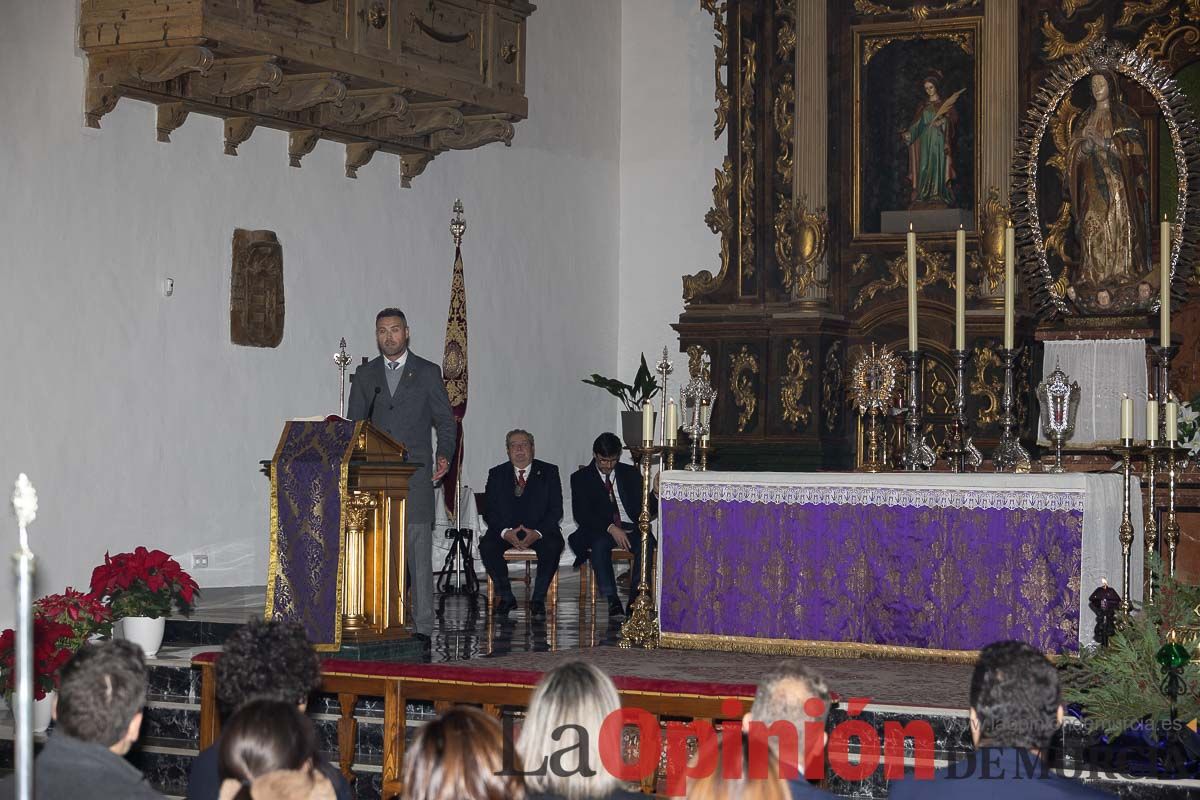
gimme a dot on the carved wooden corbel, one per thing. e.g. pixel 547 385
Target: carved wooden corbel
pixel 367 105
pixel 235 76
pixel 298 92
pixel 474 133
pixel 237 130
pixel 300 144
pixel 412 165
pixel 357 155
pixel 421 121
pixel 157 66
pixel 102 91
pixel 170 117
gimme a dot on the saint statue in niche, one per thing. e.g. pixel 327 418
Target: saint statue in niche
pixel 931 139
pixel 1108 186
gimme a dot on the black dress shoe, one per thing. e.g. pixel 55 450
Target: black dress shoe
pixel 615 609
pixel 505 605
pixel 537 611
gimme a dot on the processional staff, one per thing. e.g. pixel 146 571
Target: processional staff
pixel 24 501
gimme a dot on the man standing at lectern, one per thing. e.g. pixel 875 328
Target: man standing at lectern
pixel 404 396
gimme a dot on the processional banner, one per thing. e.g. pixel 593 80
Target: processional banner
pixel 309 492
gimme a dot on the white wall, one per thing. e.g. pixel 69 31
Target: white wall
pixel 135 417
pixel 668 156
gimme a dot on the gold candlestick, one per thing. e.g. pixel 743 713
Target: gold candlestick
pixel 641 629
pixel 1171 526
pixel 1125 532
pixel 1151 523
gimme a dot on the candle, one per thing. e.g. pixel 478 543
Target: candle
pixel 704 440
pixel 647 423
pixel 912 288
pixel 960 290
pixel 1126 417
pixel 1010 247
pixel 671 428
pixel 1172 422
pixel 1164 311
pixel 1152 420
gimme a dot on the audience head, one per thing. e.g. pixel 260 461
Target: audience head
pixel 271 659
pixel 101 693
pixel 391 332
pixel 571 700
pixel 1015 699
pixel 794 693
pixel 723 783
pixel 518 444
pixel 269 749
pixel 460 756
pixel 607 452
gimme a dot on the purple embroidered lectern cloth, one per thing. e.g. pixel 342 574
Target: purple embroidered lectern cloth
pixel 902 565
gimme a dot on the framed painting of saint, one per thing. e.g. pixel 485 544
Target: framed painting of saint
pixel 917 114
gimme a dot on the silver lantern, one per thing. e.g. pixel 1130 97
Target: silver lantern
pixel 1058 396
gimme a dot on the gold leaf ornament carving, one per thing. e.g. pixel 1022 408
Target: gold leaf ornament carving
pixel 746 146
pixel 743 366
pixel 1060 131
pixel 935 272
pixel 833 390
pixel 982 385
pixel 1156 40
pixel 801 239
pixel 795 378
pixel 721 52
pixel 918 11
pixel 871 47
pixel 1132 9
pixel 995 218
pixel 1057 46
pixel 719 221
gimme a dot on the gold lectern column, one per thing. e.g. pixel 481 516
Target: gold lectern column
pixel 362 506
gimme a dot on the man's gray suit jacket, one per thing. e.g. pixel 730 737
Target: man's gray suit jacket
pixel 409 416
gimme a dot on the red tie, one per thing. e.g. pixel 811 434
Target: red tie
pixel 612 498
pixel 521 479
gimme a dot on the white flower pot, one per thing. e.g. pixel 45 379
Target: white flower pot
pixel 41 712
pixel 145 631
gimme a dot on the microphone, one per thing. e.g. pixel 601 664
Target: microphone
pixel 371 408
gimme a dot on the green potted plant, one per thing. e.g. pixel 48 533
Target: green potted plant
pixel 632 397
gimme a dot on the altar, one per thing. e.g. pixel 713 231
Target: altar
pixel 896 564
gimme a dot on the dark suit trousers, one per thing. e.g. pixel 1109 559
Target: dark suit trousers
pixel 602 545
pixel 548 548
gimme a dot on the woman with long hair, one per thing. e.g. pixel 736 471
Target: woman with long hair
pixel 269 752
pixel 572 697
pixel 461 756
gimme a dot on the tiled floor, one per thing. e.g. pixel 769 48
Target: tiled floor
pixel 463 629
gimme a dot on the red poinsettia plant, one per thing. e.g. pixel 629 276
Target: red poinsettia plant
pixel 144 583
pixel 51 649
pixel 83 613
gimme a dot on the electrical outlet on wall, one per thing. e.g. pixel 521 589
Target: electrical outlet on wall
pixel 200 561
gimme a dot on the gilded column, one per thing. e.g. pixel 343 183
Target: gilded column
pixel 810 172
pixel 1001 114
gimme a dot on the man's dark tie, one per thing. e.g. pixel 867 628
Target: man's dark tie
pixel 520 482
pixel 612 499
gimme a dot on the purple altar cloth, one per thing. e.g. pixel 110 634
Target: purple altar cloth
pixel 910 576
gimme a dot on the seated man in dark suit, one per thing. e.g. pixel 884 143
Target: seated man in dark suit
pixel 523 506
pixel 1016 708
pixel 606 499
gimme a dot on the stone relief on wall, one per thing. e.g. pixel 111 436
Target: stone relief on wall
pixel 256 289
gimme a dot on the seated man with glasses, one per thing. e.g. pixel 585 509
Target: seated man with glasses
pixel 606 499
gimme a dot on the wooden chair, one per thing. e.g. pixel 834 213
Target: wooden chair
pixel 587 578
pixel 529 559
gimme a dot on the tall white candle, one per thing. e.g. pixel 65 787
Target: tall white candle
pixel 1010 247
pixel 1164 312
pixel 1126 417
pixel 960 290
pixel 1172 422
pixel 912 288
pixel 647 423
pixel 1152 419
pixel 671 428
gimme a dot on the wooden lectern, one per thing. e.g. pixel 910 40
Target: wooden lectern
pixel 375 492
pixel 373 606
